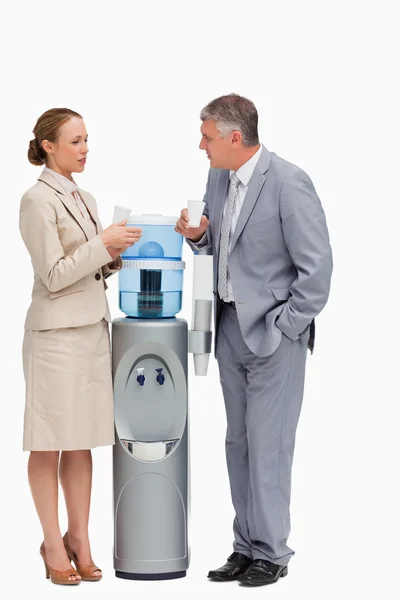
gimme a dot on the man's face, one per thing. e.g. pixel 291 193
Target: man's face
pixel 217 148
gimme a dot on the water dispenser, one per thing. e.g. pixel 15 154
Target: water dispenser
pixel 150 348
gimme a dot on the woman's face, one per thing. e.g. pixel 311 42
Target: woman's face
pixel 68 154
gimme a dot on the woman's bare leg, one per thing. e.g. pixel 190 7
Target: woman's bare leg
pixel 43 481
pixel 76 481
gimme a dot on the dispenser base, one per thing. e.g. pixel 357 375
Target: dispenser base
pixel 150 576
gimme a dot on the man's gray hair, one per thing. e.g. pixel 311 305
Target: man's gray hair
pixel 234 113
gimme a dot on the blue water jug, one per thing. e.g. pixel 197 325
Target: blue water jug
pixel 151 278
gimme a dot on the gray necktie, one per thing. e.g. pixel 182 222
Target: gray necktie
pixel 225 235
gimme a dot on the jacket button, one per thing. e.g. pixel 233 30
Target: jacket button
pixel 97 276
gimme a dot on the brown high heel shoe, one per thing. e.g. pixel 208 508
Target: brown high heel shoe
pixel 59 577
pixel 85 571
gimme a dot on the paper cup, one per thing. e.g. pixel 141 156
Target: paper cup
pixel 195 210
pixel 120 213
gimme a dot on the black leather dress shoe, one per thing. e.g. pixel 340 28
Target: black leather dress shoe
pixel 237 565
pixel 263 572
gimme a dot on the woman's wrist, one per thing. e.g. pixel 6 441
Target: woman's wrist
pixel 104 240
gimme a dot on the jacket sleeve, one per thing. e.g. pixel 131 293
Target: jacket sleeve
pixel 307 239
pixel 112 267
pixel 38 227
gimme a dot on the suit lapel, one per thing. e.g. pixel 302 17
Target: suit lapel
pixel 255 186
pixel 87 199
pixel 68 202
pixel 72 207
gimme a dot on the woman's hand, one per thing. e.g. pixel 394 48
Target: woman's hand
pixel 117 237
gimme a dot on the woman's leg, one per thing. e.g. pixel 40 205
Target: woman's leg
pixel 76 481
pixel 43 481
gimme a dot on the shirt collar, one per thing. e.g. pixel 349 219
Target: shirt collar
pixel 246 171
pixel 67 184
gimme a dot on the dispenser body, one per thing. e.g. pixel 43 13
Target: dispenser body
pixel 150 456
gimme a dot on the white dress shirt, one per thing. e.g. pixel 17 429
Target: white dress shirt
pixel 244 173
pixel 71 188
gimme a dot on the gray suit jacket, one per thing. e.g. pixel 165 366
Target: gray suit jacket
pixel 280 262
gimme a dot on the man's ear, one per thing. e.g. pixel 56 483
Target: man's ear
pixel 236 138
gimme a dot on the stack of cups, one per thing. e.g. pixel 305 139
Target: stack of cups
pixel 202 289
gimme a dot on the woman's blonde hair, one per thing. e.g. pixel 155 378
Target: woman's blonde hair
pixel 47 128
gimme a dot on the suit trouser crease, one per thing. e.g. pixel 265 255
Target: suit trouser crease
pixel 263 398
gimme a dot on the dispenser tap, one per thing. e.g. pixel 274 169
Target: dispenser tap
pixel 160 377
pixel 140 378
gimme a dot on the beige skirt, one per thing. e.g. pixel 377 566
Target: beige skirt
pixel 69 394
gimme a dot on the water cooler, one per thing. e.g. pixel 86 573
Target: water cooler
pixel 150 349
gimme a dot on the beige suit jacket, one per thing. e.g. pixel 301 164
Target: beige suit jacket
pixel 69 264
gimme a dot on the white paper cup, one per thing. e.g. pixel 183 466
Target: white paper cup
pixel 120 213
pixel 195 210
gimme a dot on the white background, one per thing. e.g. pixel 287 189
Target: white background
pixel 322 75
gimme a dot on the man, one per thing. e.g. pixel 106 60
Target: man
pixel 272 271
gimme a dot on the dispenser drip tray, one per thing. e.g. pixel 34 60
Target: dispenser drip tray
pixel 150 451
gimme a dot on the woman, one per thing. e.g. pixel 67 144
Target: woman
pixel 66 349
